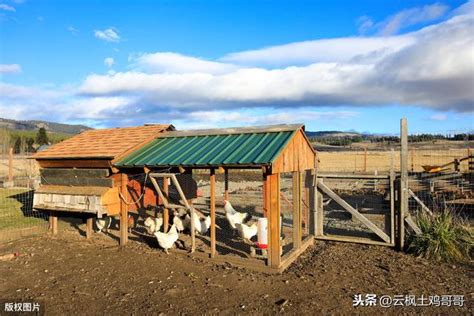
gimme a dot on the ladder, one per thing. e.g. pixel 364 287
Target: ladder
pixel 172 176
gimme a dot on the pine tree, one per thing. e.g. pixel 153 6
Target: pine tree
pixel 42 137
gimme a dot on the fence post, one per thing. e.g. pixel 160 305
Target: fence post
pixel 10 165
pixel 392 197
pixel 365 159
pixel 403 182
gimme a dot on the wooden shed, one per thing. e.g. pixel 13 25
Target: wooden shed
pixel 270 150
pixel 78 177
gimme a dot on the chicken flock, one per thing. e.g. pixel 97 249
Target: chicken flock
pixel 240 223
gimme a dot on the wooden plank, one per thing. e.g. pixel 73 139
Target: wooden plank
pixel 353 176
pixel 354 212
pixel 403 209
pixel 166 215
pixel 274 221
pixel 411 223
pixel 89 227
pixel 296 210
pixel 420 202
pixel 213 212
pixel 123 210
pixel 392 197
pixel 291 256
pixel 10 164
pixel 357 240
pixel 74 163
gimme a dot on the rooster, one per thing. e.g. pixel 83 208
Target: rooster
pixel 246 231
pixel 103 224
pixel 153 224
pixel 167 240
pixel 234 217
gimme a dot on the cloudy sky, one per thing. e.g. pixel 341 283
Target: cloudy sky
pixel 339 65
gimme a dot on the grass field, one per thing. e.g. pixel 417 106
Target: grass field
pixel 16 211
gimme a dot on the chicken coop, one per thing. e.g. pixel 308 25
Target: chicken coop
pixel 78 178
pixel 254 187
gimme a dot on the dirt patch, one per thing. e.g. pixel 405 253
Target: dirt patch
pixel 71 275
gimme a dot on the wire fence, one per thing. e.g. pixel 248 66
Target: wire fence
pixel 441 174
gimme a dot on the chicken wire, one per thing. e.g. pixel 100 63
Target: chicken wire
pixel 245 194
pixel 441 173
pixel 370 197
pixel 286 212
pixel 18 219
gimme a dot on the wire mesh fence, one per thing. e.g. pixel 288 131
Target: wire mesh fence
pixel 17 217
pixel 441 173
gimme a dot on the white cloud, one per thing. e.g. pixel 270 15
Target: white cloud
pixel 324 50
pixel 432 67
pixel 167 62
pixel 411 17
pixel 73 30
pixel 109 35
pixel 6 7
pixel 109 62
pixel 365 24
pixel 439 117
pixel 9 68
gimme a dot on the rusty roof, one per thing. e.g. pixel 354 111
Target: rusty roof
pixel 109 143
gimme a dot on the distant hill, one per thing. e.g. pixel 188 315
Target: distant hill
pixel 332 134
pixel 34 125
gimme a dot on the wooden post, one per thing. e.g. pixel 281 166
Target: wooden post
pixel 403 182
pixel 392 197
pixel 10 164
pixel 89 227
pixel 226 184
pixel 213 213
pixel 53 223
pixel 319 209
pixel 265 195
pixel 123 211
pixel 166 216
pixel 365 159
pixel 274 233
pixel 296 210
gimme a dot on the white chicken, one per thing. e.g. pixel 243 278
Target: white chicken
pixel 233 217
pixel 167 240
pixel 179 220
pixel 201 225
pixel 103 224
pixel 153 224
pixel 245 231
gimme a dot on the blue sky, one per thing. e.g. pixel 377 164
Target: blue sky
pixel 338 65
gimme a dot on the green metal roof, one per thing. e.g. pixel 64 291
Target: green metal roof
pixel 236 149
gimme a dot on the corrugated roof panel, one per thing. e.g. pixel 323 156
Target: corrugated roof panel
pixel 260 148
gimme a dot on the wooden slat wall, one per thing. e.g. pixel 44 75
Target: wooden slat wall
pixel 297 156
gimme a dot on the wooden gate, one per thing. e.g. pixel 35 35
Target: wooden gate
pixel 327 185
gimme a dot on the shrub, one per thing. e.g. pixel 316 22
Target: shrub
pixel 444 237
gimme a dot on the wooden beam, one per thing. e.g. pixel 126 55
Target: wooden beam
pixel 403 209
pixel 123 210
pixel 10 164
pixel 392 197
pixel 53 223
pixel 213 212
pixel 274 233
pixel 166 215
pixel 352 176
pixel 354 212
pixel 412 224
pixel 357 240
pixel 420 202
pixel 89 227
pixel 296 210
pixel 226 184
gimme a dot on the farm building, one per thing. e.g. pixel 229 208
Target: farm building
pixel 266 172
pixel 78 177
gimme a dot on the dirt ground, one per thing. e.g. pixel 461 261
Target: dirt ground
pixel 69 274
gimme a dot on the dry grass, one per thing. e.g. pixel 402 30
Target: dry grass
pixel 354 161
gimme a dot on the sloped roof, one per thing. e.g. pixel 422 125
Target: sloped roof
pixel 103 143
pixel 218 147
